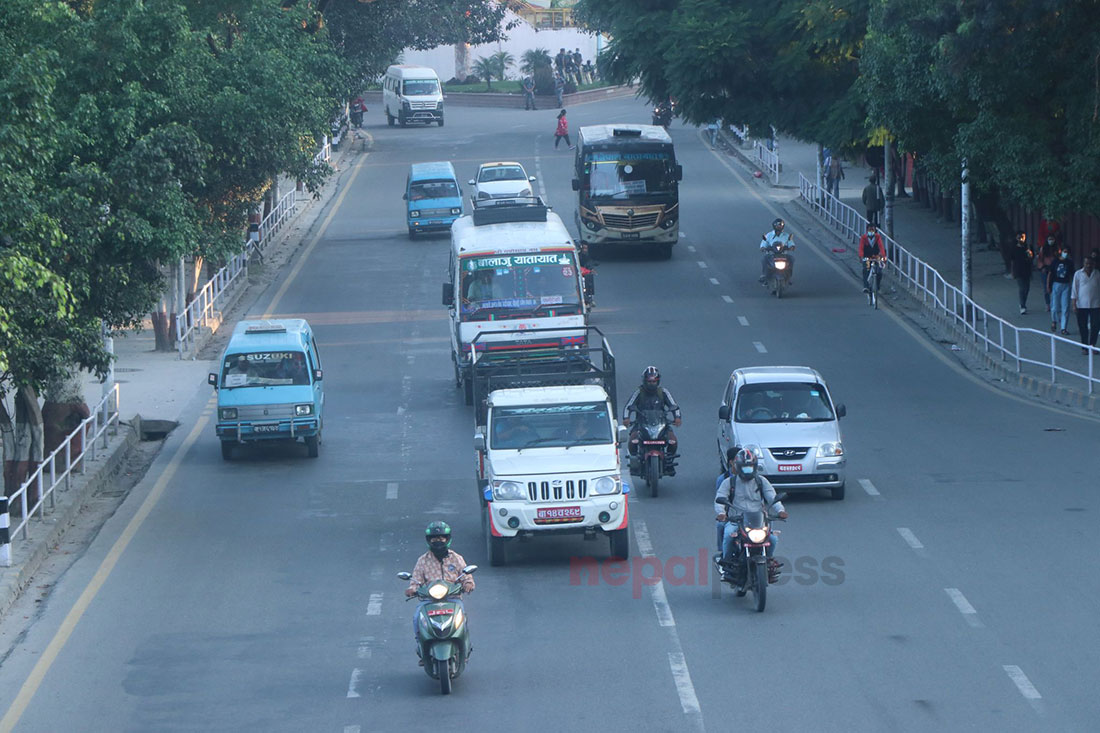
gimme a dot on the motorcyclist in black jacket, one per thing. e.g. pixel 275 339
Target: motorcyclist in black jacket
pixel 652 396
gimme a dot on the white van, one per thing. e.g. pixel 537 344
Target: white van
pixel 412 94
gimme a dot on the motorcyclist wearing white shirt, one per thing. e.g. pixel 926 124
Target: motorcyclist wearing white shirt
pixel 767 244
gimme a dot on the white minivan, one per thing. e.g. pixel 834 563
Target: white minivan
pixel 412 94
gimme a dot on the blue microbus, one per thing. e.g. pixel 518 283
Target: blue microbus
pixel 433 197
pixel 269 385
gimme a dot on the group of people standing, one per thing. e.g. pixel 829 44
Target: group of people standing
pixel 1065 287
pixel 571 67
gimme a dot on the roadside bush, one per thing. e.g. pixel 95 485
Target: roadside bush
pixel 544 80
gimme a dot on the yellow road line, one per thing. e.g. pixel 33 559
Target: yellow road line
pixel 34 680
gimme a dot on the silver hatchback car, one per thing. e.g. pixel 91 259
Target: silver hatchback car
pixel 786 416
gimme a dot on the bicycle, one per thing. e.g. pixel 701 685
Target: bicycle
pixel 873 279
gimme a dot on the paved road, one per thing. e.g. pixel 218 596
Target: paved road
pixel 953 588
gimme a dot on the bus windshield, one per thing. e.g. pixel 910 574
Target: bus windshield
pixel 625 174
pixel 518 285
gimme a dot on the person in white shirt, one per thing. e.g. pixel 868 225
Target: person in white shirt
pixel 1084 295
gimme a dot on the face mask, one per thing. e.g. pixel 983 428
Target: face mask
pixel 1064 255
pixel 1050 242
pixel 746 472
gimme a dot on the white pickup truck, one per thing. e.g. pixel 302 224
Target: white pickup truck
pixel 547 446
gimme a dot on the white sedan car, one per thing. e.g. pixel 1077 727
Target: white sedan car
pixel 501 180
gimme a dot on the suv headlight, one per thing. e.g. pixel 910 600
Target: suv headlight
pixel 303 410
pixel 227 413
pixel 414 214
pixel 606 485
pixel 508 491
pixel 456 211
pixel 830 450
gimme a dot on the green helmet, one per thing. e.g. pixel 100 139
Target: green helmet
pixel 438 529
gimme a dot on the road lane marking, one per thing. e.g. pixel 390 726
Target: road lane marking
pixel 760 347
pixel 641 536
pixel 68 625
pixel 354 683
pixel 364 651
pixel 689 702
pixel 272 308
pixel 728 299
pixel 910 538
pixel 702 265
pixel 964 606
pixel 391 490
pixel 742 320
pixel 868 487
pixel 714 281
pixel 691 247
pixel 374 605
pixel 682 236
pixel 1023 684
pixel 351 729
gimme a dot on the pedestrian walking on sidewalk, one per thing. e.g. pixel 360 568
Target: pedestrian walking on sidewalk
pixel 834 174
pixel 1059 283
pixel 874 200
pixel 562 131
pixel 1044 259
pixel 1085 296
pixel 1022 257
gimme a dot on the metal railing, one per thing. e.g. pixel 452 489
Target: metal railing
pixel 56 471
pixel 1051 354
pixel 768 159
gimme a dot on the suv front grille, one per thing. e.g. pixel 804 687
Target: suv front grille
pixel 557 491
pixel 788 454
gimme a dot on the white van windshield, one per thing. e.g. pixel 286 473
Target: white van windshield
pixel 420 87
pixel 518 285
pixel 265 369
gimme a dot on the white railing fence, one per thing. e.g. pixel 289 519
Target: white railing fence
pixel 1055 357
pixel 767 159
pixel 56 471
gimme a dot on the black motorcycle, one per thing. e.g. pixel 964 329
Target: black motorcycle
pixel 750 569
pixel 779 268
pixel 663 114
pixel 651 460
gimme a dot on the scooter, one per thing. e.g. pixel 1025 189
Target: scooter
pixel 443 639
pixel 780 272
pixel 751 570
pixel 652 461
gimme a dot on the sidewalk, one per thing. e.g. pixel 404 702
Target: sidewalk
pixel 939 243
pixel 158 386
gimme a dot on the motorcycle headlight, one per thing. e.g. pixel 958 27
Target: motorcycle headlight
pixel 438 591
pixel 781 264
pixel 302 410
pixel 414 214
pixel 507 491
pixel 756 536
pixel 227 413
pixel 830 450
pixel 606 485
pixel 456 211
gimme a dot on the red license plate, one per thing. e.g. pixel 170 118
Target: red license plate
pixel 789 467
pixel 560 512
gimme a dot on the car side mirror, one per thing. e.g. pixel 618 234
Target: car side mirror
pixel 471 182
pixel 841 411
pixel 469 569
pixel 448 294
pixel 623 434
pixel 404 197
pixel 531 179
pixel 576 184
pixel 405 576
pixel 212 380
pixel 479 442
pixel 318 375
pixel 724 412
pixel 679 172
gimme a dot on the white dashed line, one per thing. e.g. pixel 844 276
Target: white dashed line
pixel 714 281
pixel 351 729
pixel 364 651
pixel 353 683
pixel 742 320
pixel 702 265
pixel 910 538
pixel 682 235
pixel 691 247
pixel 391 490
pixel 688 700
pixel 374 605
pixel 641 536
pixel 727 298
pixel 1023 684
pixel 660 603
pixel 869 487
pixel 964 606
pixel 760 347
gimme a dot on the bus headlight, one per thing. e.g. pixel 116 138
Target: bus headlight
pixel 668 223
pixel 593 226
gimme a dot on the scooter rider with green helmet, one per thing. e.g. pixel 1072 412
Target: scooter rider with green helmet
pixel 440 562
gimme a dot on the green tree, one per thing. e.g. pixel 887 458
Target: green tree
pixel 534 59
pixel 502 61
pixel 486 68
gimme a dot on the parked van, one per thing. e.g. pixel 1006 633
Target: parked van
pixel 433 197
pixel 412 94
pixel 269 386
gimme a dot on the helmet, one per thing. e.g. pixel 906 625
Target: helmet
pixel 778 224
pixel 651 379
pixel 745 465
pixel 438 530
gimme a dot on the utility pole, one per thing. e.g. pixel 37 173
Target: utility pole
pixel 888 209
pixel 965 202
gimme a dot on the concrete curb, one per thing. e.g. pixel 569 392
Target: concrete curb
pixel 1033 386
pixel 509 100
pixel 46 534
pixel 736 146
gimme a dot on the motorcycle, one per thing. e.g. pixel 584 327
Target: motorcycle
pixel 751 570
pixel 663 114
pixel 779 262
pixel 588 276
pixel 443 642
pixel 874 279
pixel 651 460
